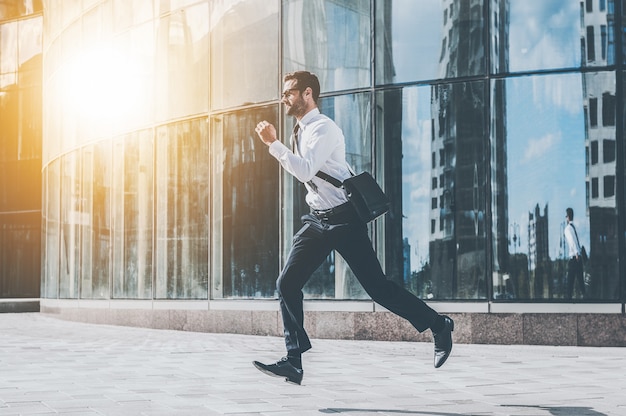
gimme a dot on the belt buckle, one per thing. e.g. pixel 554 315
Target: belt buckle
pixel 324 215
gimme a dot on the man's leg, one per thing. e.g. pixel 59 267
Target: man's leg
pixel 580 276
pixel 307 253
pixel 356 248
pixel 571 276
pixel 354 245
pixel 309 250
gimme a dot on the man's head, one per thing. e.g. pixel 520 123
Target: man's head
pixel 301 90
pixel 569 213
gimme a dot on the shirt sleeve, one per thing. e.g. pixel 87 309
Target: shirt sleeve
pixel 317 145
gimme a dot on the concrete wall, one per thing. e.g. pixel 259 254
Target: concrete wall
pixel 580 329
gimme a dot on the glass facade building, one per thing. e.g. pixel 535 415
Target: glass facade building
pixel 21 26
pixel 483 120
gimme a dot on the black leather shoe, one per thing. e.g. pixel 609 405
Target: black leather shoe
pixel 282 368
pixel 443 342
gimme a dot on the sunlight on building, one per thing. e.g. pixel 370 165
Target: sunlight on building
pixel 102 85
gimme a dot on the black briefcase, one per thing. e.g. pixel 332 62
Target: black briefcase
pixel 368 199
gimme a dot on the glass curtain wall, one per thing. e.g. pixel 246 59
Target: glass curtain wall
pixel 530 144
pixel 20 148
pixel 482 119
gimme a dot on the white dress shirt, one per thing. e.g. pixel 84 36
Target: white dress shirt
pixel 572 241
pixel 321 146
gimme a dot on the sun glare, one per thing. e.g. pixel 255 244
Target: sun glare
pixel 102 84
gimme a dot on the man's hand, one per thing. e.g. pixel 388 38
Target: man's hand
pixel 266 132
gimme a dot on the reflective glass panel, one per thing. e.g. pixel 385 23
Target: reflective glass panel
pixel 69 275
pixel 85 211
pixel 29 47
pixel 244 52
pixel 17 8
pixel 128 73
pixel 9 121
pixel 183 63
pixel 20 245
pixel 98 285
pixel 8 48
pixel 330 38
pixel 435 153
pixel 542 34
pixel 245 200
pixel 429 39
pixel 132 209
pixel 52 223
pixel 182 251
pixel 556 158
pixel 333 279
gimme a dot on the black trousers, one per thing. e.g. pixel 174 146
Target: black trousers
pixel 575 274
pixel 349 236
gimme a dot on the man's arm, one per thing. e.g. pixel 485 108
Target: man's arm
pixel 317 152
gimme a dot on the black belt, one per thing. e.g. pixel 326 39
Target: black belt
pixel 328 214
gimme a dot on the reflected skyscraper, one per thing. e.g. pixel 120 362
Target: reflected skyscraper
pixel 459 182
pixel 598 49
pixel 539 266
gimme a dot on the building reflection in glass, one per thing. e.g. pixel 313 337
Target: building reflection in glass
pixel 480 160
pixel 20 149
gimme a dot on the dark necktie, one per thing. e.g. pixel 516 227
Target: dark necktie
pixel 296 149
pixel 294 142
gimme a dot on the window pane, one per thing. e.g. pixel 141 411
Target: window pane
pixel 130 74
pixel 544 34
pixel 334 278
pixel 20 245
pixel 182 210
pixel 609 186
pixel 50 213
pixel 183 63
pixel 100 224
pixel 429 39
pixel 547 173
pixel 132 206
pixel 86 228
pixel 30 46
pixel 8 46
pixel 608 151
pixel 330 38
pixel 69 275
pixel 608 109
pixel 245 200
pixel 11 9
pixel 594 152
pixel 442 237
pixel 244 52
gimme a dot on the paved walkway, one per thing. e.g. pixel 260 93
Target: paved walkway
pixel 49 366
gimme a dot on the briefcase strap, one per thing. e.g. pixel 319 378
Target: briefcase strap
pixel 330 179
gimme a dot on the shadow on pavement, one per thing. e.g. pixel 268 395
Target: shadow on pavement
pixel 564 411
pixel 387 411
pixel 555 411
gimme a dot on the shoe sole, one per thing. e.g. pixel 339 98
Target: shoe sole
pixel 269 373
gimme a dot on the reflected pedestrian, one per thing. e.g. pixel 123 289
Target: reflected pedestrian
pixel 575 262
pixel 318 145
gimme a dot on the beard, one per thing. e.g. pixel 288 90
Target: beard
pixel 297 109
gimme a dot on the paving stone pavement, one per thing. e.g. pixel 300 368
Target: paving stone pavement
pixel 49 366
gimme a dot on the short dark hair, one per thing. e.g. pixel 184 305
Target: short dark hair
pixel 305 79
pixel 570 214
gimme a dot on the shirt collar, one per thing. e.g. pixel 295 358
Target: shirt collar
pixel 308 117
